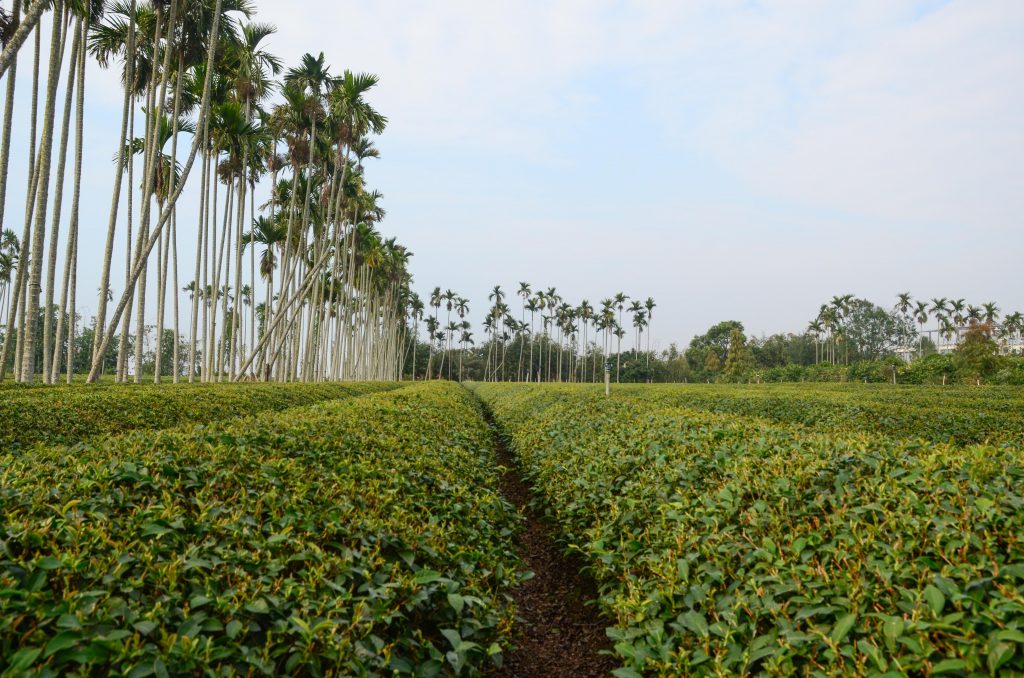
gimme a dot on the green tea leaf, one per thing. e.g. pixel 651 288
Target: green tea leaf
pixel 842 627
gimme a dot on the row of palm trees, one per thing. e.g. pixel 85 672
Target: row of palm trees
pixel 549 338
pixel 953 316
pixel 204 103
pixel 829 329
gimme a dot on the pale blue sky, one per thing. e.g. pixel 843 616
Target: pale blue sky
pixel 743 160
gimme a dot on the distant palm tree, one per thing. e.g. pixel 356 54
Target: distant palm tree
pixel 635 308
pixel 991 312
pixel 619 334
pixel 904 303
pixel 432 326
pixel 524 292
pixel 466 339
pixel 435 302
pixel 449 298
pixel 639 322
pixel 649 305
pixel 816 328
pixel 1013 324
pixel 921 316
pixel 416 315
pixel 957 308
pixel 585 312
pixel 271 234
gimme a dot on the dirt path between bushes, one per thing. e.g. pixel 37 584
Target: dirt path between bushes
pixel 560 632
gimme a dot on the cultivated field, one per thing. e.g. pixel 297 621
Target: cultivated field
pixel 361 534
pixel 793 529
pixel 361 529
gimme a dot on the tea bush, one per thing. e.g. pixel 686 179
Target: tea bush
pixel 938 414
pixel 67 414
pixel 354 537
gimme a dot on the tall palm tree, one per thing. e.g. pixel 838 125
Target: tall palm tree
pixel 271 234
pixel 585 313
pixel 415 306
pixel 533 305
pixel 649 305
pixel 634 308
pixel 830 320
pixel 990 312
pixel 496 296
pixel 957 308
pixel 816 328
pixel 552 300
pixel 9 251
pixel 974 313
pixel 34 249
pixel 434 300
pixel 921 316
pixel 466 339
pixel 462 309
pixel 449 298
pixel 1013 324
pixel 904 302
pixel 620 303
pixel 524 292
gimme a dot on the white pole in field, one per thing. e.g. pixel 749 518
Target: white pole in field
pixel 607 380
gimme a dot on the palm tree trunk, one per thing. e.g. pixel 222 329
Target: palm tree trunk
pixel 17 313
pixel 51 354
pixel 122 349
pixel 175 367
pixel 650 322
pixel 150 154
pixel 5 144
pixel 42 199
pixel 252 274
pixel 236 315
pixel 203 245
pixel 5 155
pixel 115 202
pixel 71 260
pixel 30 203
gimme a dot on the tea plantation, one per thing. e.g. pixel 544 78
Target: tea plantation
pixel 788 530
pixel 360 528
pixel 358 535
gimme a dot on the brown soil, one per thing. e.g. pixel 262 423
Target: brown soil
pixel 560 631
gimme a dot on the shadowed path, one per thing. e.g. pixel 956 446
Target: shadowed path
pixel 560 633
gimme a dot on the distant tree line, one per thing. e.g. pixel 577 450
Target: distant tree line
pixel 851 339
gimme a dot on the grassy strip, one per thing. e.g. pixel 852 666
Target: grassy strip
pixel 68 414
pixel 354 537
pixel 727 545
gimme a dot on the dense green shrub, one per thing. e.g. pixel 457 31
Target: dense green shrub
pixel 353 537
pixel 67 414
pixel 932 369
pixel 727 545
pixel 1011 372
